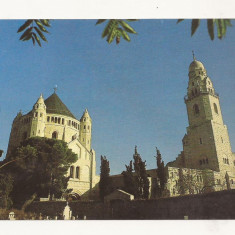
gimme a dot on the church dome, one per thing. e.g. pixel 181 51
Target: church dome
pixel 54 105
pixel 195 65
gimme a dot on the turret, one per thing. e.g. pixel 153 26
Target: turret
pixel 85 130
pixel 38 118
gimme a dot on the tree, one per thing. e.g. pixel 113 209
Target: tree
pixel 6 185
pixel 33 29
pixel 188 183
pixel 141 176
pixel 105 183
pixel 130 185
pixel 116 28
pixel 161 172
pixel 41 168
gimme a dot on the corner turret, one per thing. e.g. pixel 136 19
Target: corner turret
pixel 85 130
pixel 38 118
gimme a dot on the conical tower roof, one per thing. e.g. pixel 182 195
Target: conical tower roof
pixel 56 106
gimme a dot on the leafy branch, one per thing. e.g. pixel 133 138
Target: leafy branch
pixel 220 24
pixel 117 29
pixel 34 32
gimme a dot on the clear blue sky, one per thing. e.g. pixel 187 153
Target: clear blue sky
pixel 133 91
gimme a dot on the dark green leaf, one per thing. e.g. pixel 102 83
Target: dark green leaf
pixel 210 27
pixel 40 34
pixel 126 26
pixel 179 20
pixel 112 35
pixel 124 34
pixel 130 20
pixel 25 25
pixel 107 28
pixel 26 33
pixel 33 40
pixel 37 39
pixel 45 22
pixel 41 26
pixel 195 24
pixel 29 36
pixel 100 21
pixel 219 28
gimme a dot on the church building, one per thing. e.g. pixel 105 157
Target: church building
pixel 207 161
pixel 51 118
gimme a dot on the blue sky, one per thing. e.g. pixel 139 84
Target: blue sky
pixel 133 91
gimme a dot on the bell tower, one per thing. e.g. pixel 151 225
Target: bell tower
pixel 206 144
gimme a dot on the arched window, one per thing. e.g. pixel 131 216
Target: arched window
pixel 55 135
pixel 196 109
pixel 215 108
pixel 204 161
pixel 200 162
pixel 77 172
pixel 71 171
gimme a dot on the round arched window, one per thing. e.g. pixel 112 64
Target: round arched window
pixel 196 109
pixel 55 135
pixel 215 108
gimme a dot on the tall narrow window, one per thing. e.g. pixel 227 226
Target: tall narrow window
pixel 215 108
pixel 200 140
pixel 77 172
pixel 48 118
pixel 62 121
pixel 71 171
pixel 59 120
pixel 196 109
pixel 55 119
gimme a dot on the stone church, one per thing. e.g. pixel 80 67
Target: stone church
pixel 207 157
pixel 51 118
pixel 206 163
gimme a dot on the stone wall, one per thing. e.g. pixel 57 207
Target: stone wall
pixel 90 209
pixel 216 205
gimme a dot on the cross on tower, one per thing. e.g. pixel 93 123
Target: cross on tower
pixel 55 88
pixel 194 58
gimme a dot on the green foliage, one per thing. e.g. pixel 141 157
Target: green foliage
pixel 141 176
pixel 6 185
pixel 130 185
pixel 34 32
pixel 117 29
pixel 105 184
pixel 40 168
pixel 221 25
pixel 161 172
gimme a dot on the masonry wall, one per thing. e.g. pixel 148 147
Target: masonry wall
pixel 216 205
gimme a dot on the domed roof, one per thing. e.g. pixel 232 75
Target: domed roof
pixel 56 106
pixel 196 65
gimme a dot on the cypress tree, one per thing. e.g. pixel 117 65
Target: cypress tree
pixel 161 172
pixel 105 180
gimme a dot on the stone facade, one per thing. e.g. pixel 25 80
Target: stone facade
pixel 206 163
pixel 50 118
pixel 207 153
